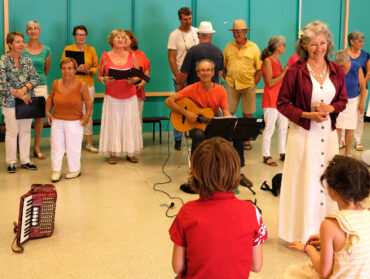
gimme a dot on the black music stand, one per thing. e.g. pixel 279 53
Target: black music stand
pixel 234 129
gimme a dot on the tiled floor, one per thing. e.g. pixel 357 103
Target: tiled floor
pixel 109 222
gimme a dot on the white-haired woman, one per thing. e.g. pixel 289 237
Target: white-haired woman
pixel 361 57
pixel 311 96
pixel 273 74
pixel 41 58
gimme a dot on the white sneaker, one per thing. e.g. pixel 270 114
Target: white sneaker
pixel 91 148
pixel 55 176
pixel 74 174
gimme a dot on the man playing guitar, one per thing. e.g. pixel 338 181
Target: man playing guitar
pixel 205 93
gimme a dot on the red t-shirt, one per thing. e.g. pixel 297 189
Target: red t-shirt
pixel 214 99
pixel 218 234
pixel 144 63
pixel 270 94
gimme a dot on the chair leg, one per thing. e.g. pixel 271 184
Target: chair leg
pixel 153 131
pixel 160 132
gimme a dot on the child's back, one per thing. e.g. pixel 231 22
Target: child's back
pixel 353 260
pixel 219 234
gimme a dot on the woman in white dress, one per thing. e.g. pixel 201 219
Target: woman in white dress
pixel 311 97
pixel 121 127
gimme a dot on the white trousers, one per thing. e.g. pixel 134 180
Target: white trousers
pixel 271 116
pixel 360 124
pixel 66 136
pixel 88 129
pixel 14 127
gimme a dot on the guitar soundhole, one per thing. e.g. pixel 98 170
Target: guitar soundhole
pixel 183 117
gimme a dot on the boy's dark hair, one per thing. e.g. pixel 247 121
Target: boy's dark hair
pixel 79 27
pixel 349 177
pixel 215 167
pixel 184 11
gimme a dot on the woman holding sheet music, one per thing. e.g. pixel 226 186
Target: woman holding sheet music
pixel 86 71
pixel 18 78
pixel 144 65
pixel 121 126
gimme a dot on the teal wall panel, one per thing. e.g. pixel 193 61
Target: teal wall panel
pixel 328 11
pixel 359 12
pixel 99 24
pixel 53 29
pixel 152 22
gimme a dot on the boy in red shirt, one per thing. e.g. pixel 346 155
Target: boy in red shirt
pixel 218 235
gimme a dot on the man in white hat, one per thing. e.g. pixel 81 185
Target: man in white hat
pixel 204 50
pixel 179 42
pixel 242 71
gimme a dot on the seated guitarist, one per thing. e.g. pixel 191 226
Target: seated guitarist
pixel 205 93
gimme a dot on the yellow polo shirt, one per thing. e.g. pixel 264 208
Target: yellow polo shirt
pixel 91 61
pixel 241 64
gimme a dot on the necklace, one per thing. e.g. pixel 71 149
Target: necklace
pixel 312 72
pixel 192 36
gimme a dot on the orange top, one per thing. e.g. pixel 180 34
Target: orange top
pixel 144 64
pixel 270 94
pixel 68 105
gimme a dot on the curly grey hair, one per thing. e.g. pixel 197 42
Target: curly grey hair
pixel 310 31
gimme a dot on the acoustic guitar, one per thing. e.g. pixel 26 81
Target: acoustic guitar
pixel 181 124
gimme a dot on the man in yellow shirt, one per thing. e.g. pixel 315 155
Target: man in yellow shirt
pixel 242 71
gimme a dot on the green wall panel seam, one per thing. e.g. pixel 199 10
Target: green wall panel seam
pixel 69 39
pixel 133 12
pixel 194 7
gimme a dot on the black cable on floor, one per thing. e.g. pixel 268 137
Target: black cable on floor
pixel 169 177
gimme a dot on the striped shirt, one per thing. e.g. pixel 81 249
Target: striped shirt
pixel 353 260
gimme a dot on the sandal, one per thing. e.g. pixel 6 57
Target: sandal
pixel 341 145
pixel 112 160
pixel 359 147
pixel 247 145
pixel 268 161
pixel 39 155
pixel 132 159
pixel 282 157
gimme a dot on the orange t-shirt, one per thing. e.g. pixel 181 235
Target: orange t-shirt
pixel 270 94
pixel 214 99
pixel 68 105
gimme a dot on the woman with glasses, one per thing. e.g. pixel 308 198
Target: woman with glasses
pixel 85 73
pixel 41 58
pixel 67 96
pixel 120 132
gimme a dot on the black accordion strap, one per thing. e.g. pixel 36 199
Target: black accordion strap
pixel 20 249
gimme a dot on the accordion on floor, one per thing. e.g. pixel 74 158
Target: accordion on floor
pixel 36 214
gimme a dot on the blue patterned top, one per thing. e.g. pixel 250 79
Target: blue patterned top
pixel 12 78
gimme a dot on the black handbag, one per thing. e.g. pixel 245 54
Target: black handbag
pixel 36 109
pixel 2 129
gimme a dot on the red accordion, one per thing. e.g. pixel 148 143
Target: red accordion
pixel 36 214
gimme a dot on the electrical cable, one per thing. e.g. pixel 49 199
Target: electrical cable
pixel 154 186
pixel 169 178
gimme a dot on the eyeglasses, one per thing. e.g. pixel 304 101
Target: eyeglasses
pixel 80 35
pixel 205 70
pixel 124 38
pixel 67 68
